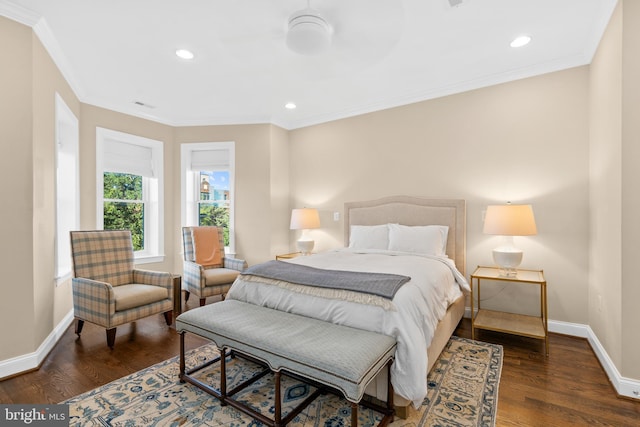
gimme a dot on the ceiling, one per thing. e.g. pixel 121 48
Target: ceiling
pixel 120 54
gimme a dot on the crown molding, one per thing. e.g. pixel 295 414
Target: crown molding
pixel 605 11
pixel 50 43
pixel 44 33
pixel 42 30
pixel 18 13
pixel 439 92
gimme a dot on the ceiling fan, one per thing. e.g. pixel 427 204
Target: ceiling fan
pixel 308 32
pixel 329 37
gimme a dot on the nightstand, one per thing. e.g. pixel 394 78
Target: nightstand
pixel 288 256
pixel 500 321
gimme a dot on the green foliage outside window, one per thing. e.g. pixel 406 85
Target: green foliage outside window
pixel 211 214
pixel 123 205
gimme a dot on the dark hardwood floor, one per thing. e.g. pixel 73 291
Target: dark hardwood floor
pixel 569 388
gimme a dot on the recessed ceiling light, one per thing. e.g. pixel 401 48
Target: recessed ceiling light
pixel 520 41
pixel 184 54
pixel 290 106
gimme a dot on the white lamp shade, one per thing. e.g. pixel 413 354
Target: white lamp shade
pixel 304 218
pixel 510 220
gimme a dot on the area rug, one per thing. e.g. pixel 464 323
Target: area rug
pixel 462 391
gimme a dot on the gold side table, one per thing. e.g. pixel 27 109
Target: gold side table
pixel 512 323
pixel 288 256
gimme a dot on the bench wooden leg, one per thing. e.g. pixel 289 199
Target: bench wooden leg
pixel 278 414
pixel 223 376
pixel 390 405
pixel 182 361
pixel 354 414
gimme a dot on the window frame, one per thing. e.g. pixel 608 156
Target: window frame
pixel 152 191
pixel 190 185
pixel 67 140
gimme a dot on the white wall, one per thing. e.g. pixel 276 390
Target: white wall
pixel 605 190
pixel 524 141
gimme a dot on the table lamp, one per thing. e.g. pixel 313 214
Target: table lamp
pixel 304 219
pixel 508 221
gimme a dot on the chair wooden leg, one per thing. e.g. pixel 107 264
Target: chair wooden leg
pixel 202 301
pixel 79 325
pixel 186 296
pixel 111 337
pixel 168 317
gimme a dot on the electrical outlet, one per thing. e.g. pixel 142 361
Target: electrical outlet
pixel 336 216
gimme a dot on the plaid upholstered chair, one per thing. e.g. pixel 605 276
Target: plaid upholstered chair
pixel 107 290
pixel 208 280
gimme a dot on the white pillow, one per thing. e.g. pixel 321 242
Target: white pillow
pixel 369 237
pixel 422 239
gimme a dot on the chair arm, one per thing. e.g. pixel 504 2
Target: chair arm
pixel 193 277
pixel 235 264
pixel 93 300
pixel 155 278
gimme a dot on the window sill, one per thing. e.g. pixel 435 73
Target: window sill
pixel 148 259
pixel 64 278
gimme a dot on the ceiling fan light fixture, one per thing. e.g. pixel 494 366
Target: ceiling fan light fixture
pixel 309 33
pixel 184 54
pixel 520 41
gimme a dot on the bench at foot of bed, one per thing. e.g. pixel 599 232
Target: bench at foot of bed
pixel 331 357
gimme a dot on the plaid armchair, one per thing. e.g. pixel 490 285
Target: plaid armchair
pixel 107 290
pixel 207 281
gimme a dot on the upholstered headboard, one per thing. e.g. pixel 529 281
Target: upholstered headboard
pixel 407 210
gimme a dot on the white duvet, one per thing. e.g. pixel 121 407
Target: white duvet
pixel 412 318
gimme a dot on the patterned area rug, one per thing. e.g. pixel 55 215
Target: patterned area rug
pixel 462 391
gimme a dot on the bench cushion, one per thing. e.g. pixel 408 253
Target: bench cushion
pixel 339 356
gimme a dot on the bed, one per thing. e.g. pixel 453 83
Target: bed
pixel 416 328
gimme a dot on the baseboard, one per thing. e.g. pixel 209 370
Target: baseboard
pixel 625 387
pixel 27 362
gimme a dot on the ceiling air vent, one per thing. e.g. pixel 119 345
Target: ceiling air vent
pixel 142 104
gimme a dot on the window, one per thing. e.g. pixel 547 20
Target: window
pixel 123 205
pixel 67 189
pixel 129 187
pixel 208 176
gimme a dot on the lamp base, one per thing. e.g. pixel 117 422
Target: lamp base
pixel 305 246
pixel 507 259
